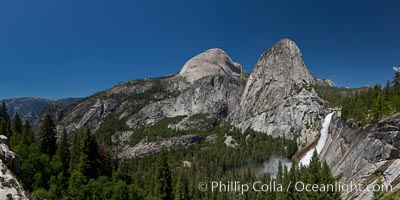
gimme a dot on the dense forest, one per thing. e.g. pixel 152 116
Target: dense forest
pixel 364 105
pixel 83 164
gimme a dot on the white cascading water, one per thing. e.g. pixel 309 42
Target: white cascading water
pixel 305 161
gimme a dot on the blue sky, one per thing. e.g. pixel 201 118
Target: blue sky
pixel 74 48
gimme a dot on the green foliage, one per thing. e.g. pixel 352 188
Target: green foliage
pixel 373 104
pixel 17 124
pixel 334 96
pixel 47 136
pixel 182 189
pixel 28 136
pixel 48 176
pixel 17 135
pixel 102 188
pixel 157 131
pixel 392 196
pixel 110 126
pixel 316 173
pixel 79 171
pixel 5 122
pixel 209 161
pixel 378 194
pixel 41 193
pixel 64 152
pixel 396 79
pixel 75 151
pixel 76 188
pixel 89 160
pixel 165 180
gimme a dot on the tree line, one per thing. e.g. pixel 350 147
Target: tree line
pixel 81 165
pixel 373 104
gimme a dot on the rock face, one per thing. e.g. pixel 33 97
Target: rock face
pixel 210 63
pixel 360 154
pixel 29 108
pixel 92 116
pixel 214 95
pixel 324 82
pixel 145 147
pixel 10 188
pixel 189 124
pixel 93 110
pixel 210 83
pixel 277 99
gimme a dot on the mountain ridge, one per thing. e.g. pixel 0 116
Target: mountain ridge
pixel 278 98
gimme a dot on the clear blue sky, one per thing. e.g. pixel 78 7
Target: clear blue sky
pixel 74 48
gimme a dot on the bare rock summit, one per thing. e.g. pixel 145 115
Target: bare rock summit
pixel 210 63
pixel 278 99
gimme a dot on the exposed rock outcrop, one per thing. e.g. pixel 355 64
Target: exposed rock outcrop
pixel 10 166
pixel 324 82
pixel 277 99
pixel 188 123
pixel 360 154
pixel 145 147
pixel 214 88
pixel 212 62
pixel 93 110
pixel 210 83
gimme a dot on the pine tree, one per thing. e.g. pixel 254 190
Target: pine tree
pixel 165 179
pixel 328 178
pixel 3 112
pixel 5 122
pixel 75 152
pixel 17 124
pixel 47 136
pixel 183 189
pixel 396 78
pixel 63 151
pixel 16 138
pixel 106 166
pixel 28 136
pixel 280 180
pixel 75 186
pixel 314 167
pixel 89 160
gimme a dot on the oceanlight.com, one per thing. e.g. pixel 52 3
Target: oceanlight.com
pixel 272 186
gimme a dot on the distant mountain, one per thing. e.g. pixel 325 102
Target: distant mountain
pixel 30 108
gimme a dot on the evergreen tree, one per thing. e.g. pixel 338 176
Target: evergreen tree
pixel 17 124
pixel 76 186
pixel 106 166
pixel 328 178
pixel 63 151
pixel 165 179
pixel 47 136
pixel 5 122
pixel 28 136
pixel 75 152
pixel 396 78
pixel 183 192
pixel 89 160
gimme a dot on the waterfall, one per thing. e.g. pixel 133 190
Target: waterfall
pixel 305 161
